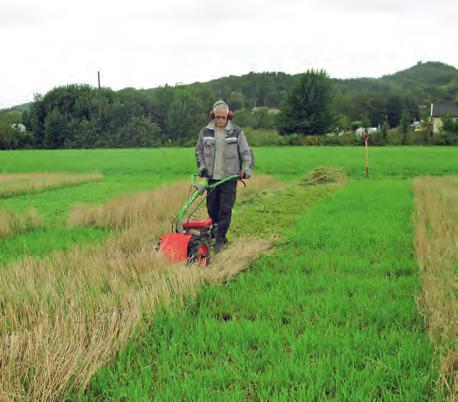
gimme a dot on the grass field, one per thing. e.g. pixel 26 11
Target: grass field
pixel 334 312
pixel 322 318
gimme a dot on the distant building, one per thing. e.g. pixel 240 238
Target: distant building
pixel 439 111
pixel 361 130
pixel 19 127
pixel 417 126
pixel 270 110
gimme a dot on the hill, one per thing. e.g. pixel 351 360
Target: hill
pixel 81 116
pixel 23 107
pixel 429 82
pixel 419 85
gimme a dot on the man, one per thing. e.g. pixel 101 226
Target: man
pixel 221 151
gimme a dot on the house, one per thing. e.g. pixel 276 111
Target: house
pixel 417 126
pixel 19 127
pixel 361 130
pixel 270 110
pixel 438 111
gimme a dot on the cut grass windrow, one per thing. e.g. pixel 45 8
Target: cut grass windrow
pixel 13 184
pixel 331 315
pixel 436 242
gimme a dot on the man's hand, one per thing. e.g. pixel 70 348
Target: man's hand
pixel 246 173
pixel 203 171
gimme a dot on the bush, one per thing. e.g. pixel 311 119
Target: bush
pixel 394 137
pixel 310 140
pixel 450 125
pixel 350 139
pixel 244 118
pixel 260 119
pixel 138 132
pixel 260 138
pixel 10 138
pixel 336 140
pixel 445 138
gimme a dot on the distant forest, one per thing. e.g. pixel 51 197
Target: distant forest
pixel 81 116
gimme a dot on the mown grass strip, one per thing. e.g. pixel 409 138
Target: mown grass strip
pixel 13 184
pixel 436 244
pixel 331 315
pixel 43 241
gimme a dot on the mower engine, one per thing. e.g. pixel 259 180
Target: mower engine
pixel 191 245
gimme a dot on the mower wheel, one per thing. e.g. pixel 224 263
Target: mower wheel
pixel 198 251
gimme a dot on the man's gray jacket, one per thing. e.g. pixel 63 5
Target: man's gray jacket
pixel 237 154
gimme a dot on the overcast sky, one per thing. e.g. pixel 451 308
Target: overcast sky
pixel 147 43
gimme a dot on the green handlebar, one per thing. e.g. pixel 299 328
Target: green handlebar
pixel 199 190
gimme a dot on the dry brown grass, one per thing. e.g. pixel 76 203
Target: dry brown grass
pixel 320 175
pixel 125 211
pixel 65 315
pixel 14 223
pixel 436 243
pixel 235 258
pixel 156 206
pixel 12 184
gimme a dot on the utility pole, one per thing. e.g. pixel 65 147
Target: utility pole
pixel 100 106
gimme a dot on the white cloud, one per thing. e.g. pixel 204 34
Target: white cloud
pixel 145 44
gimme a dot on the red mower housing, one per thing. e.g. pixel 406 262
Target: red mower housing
pixel 175 246
pixel 182 247
pixel 198 224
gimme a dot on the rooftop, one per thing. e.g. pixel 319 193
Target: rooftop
pixel 440 110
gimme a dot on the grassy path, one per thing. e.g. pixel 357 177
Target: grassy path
pixel 330 315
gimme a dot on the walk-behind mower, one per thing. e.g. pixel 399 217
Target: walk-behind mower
pixel 191 238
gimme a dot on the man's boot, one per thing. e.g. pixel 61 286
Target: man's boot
pixel 219 244
pixel 215 231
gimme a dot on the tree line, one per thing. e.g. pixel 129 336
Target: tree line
pixel 81 116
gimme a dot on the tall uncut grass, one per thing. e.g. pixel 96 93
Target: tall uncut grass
pixel 12 184
pixel 13 223
pixel 65 315
pixel 158 206
pixel 436 243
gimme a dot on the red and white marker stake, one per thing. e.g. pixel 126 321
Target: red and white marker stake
pixel 366 141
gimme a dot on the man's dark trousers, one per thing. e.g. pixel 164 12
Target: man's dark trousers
pixel 220 201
